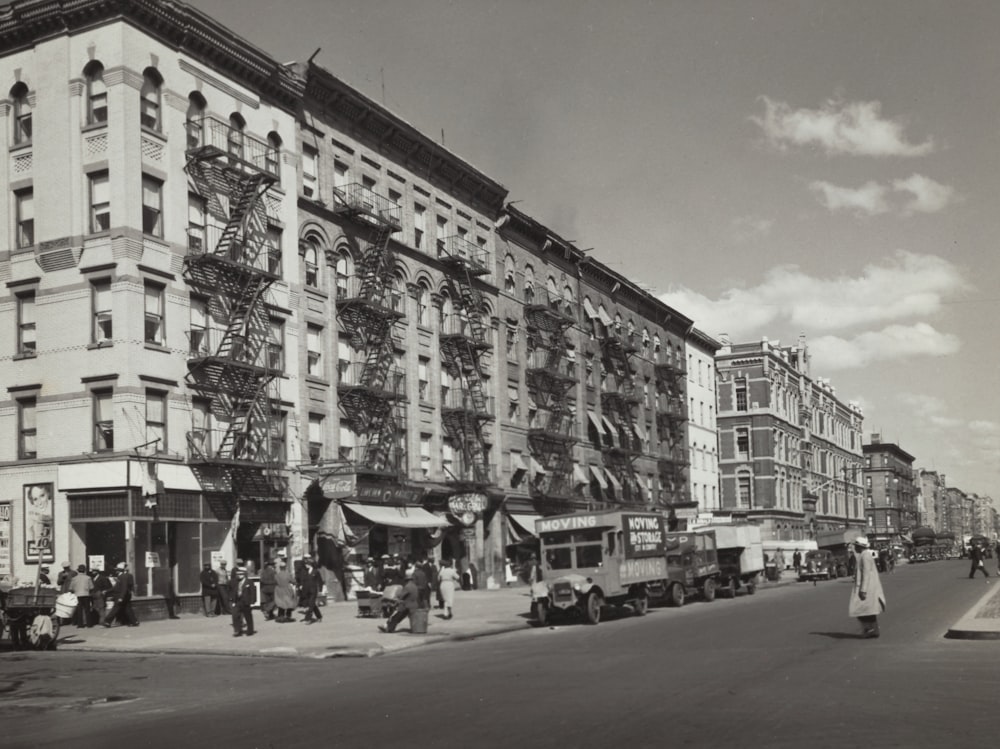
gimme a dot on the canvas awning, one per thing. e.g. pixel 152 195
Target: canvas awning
pixel 588 308
pixel 580 475
pixel 598 475
pixel 596 421
pixel 525 522
pixel 614 482
pixel 517 463
pixel 605 317
pixel 536 467
pixel 398 517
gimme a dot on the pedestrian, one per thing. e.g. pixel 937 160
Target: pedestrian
pixel 867 597
pixel 242 597
pixel 102 592
pixel 448 580
pixel 209 582
pixel 976 554
pixel 222 580
pixel 797 561
pixel 268 582
pixel 309 589
pixel 82 586
pixel 408 602
pixel 66 574
pixel 123 592
pixel 373 578
pixel 43 575
pixel 779 562
pixel 285 599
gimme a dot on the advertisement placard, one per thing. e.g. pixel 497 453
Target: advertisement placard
pixel 38 524
pixel 6 523
pixel 643 535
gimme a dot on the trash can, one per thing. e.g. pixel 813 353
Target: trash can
pixel 418 621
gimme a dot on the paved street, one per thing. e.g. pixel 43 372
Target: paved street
pixel 782 668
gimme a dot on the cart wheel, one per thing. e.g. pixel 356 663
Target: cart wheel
pixel 676 595
pixel 641 605
pixel 592 608
pixel 708 589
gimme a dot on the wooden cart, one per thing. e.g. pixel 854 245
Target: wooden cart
pixel 21 610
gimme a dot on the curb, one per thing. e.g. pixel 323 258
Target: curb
pixel 969 627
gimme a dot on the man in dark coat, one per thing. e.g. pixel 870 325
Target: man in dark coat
pixel 268 582
pixel 123 592
pixel 409 601
pixel 209 584
pixel 242 597
pixel 423 583
pixel 309 588
pixel 222 581
pixel 976 554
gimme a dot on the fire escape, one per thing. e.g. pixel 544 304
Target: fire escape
pixel 230 365
pixel 619 404
pixel 371 392
pixel 670 419
pixel 551 378
pixel 463 340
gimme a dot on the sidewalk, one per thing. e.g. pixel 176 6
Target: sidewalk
pixel 341 633
pixel 982 621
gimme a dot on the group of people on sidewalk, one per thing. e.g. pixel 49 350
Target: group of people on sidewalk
pixel 102 598
pixel 410 585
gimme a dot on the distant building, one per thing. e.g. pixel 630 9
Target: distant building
pixel 930 498
pixel 890 494
pixel 703 436
pixel 789 449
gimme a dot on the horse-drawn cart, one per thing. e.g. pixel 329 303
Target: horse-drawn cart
pixel 30 614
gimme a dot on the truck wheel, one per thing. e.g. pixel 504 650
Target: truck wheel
pixel 592 608
pixel 540 609
pixel 677 595
pixel 708 589
pixel 641 605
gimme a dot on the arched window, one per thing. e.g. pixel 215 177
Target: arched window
pixel 569 302
pixel 657 350
pixel 529 284
pixel 552 293
pixel 149 99
pixel 273 153
pixel 234 138
pixel 195 120
pixel 631 328
pixel 343 270
pixel 509 275
pixel 22 114
pixel 618 322
pixel 310 261
pixel 423 300
pixel 97 93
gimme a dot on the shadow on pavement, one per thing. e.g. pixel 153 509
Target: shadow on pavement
pixel 840 635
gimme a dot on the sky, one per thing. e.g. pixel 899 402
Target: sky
pixel 769 169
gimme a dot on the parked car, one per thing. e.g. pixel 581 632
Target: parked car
pixel 819 565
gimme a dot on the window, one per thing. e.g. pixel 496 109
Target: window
pixel 272 242
pixel 26 432
pixel 513 398
pixel 743 488
pixel 152 206
pixel 419 225
pixel 423 381
pixel 309 260
pixel 272 154
pixel 529 284
pixel 195 120
pixel 310 172
pixel 509 275
pixel 196 223
pixel 425 455
pixel 740 387
pixel 156 418
pixel 347 442
pixel 24 201
pixel 200 437
pixel 442 232
pixel 104 424
pixel 315 437
pixel 234 137
pixel 100 302
pixel 26 341
pixel 154 313
pixel 198 335
pixel 743 443
pixel 100 202
pixel 423 295
pixel 342 269
pixel 276 345
pixel 276 435
pixel 341 175
pixel 314 350
pixel 22 114
pixel 97 94
pixel 149 99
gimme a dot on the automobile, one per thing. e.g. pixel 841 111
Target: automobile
pixel 818 565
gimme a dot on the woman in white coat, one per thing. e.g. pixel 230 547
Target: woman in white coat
pixel 448 579
pixel 867 597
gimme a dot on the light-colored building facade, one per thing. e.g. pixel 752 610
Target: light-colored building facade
pixel 789 448
pixel 890 493
pixel 930 498
pixel 703 435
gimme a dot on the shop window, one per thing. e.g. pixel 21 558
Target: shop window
pixel 97 93
pixel 149 99
pixel 26 429
pixel 154 327
pixel 104 423
pixel 24 207
pixel 100 202
pixel 26 341
pixel 100 300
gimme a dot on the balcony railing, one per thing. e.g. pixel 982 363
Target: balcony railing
pixel 218 444
pixel 458 324
pixel 461 400
pixel 456 471
pixel 350 287
pixel 203 240
pixel 554 361
pixel 211 133
pixel 352 376
pixel 458 249
pixel 205 342
pixel 356 197
pixel 541 297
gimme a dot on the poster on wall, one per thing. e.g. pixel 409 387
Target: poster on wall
pixel 38 524
pixel 6 562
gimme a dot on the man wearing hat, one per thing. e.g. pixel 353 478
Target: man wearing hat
pixel 82 586
pixel 222 581
pixel 243 596
pixel 867 597
pixel 123 591
pixel 43 575
pixel 407 603
pixel 66 574
pixel 209 588
pixel 268 582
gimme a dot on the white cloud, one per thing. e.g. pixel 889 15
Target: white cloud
pixel 751 227
pixel 904 287
pixel 928 196
pixel 868 199
pixel 838 127
pixel 892 342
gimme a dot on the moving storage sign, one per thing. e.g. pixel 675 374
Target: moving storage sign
pixel 643 535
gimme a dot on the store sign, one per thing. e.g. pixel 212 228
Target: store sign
pixel 644 536
pixel 6 522
pixel 339 487
pixel 38 523
pixel 152 559
pixel 458 504
pixel 389 493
